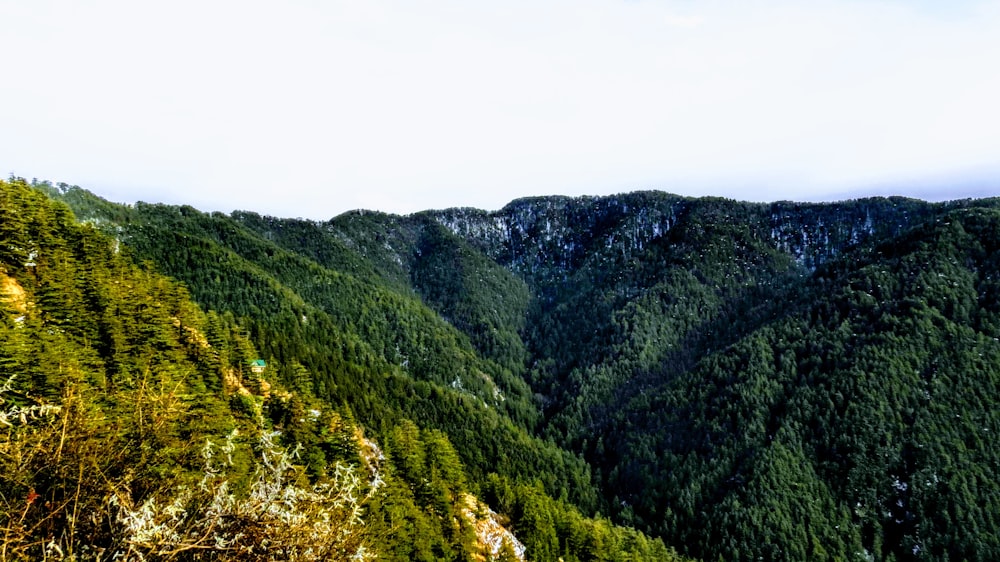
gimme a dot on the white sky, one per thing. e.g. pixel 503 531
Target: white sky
pixel 314 107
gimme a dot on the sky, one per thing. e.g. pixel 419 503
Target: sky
pixel 310 108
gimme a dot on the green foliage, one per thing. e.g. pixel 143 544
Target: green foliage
pixel 553 530
pixel 379 350
pixel 476 295
pixel 675 346
pixel 746 381
pixel 115 378
pixel 108 380
pixel 840 426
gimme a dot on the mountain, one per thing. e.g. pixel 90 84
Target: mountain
pixel 746 381
pixel 137 425
pixel 780 381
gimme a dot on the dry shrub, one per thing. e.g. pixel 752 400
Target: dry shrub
pixel 67 493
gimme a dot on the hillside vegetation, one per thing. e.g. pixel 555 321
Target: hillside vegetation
pixel 745 381
pixel 133 427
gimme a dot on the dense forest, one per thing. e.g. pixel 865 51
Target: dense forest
pixel 137 425
pixel 740 381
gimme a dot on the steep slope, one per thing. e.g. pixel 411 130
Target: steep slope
pixel 857 423
pixel 625 341
pixel 751 381
pixel 418 256
pixel 132 427
pixel 113 383
pixel 353 341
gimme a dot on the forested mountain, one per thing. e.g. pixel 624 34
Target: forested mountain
pixel 747 381
pixel 136 426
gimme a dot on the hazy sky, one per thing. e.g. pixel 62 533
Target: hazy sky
pixel 313 107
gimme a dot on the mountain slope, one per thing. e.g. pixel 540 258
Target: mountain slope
pixel 780 381
pixel 355 340
pixel 877 399
pixel 131 426
pixel 625 338
pixel 313 350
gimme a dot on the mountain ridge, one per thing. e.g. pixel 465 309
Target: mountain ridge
pixel 695 363
pixel 135 425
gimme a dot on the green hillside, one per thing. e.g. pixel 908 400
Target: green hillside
pixel 134 425
pixel 746 381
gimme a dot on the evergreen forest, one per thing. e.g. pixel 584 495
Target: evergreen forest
pixel 632 377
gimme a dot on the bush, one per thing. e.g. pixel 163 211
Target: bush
pixel 69 492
